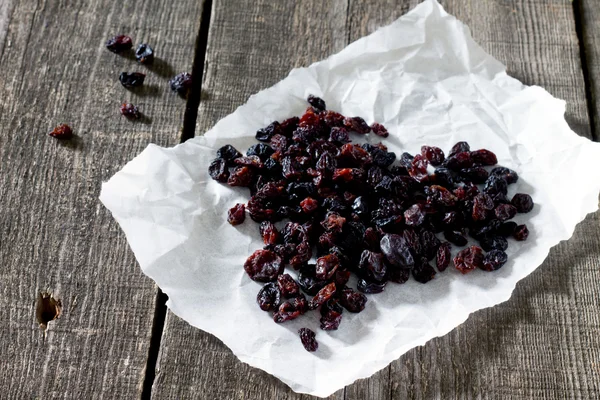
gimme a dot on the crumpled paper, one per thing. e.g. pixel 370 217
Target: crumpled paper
pixel 428 82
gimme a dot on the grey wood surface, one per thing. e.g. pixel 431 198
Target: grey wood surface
pixel 588 12
pixel 542 343
pixel 54 233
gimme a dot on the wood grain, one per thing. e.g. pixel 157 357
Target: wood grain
pixel 54 233
pixel 589 15
pixel 541 343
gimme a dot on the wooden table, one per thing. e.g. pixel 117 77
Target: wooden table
pixel 115 338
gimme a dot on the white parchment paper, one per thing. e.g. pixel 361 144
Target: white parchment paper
pixel 428 82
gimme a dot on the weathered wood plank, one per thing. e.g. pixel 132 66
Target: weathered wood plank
pixel 252 45
pixel 54 233
pixel 536 344
pixel 589 15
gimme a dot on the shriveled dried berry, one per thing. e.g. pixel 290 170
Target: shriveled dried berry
pixel 396 251
pixel 237 214
pixel 333 222
pixel 309 205
pixel 331 315
pixel 482 206
pixel 505 212
pixel 119 43
pixel 370 287
pixel 379 130
pixel 308 281
pixel 130 111
pixel 144 54
pixel 443 256
pixel 484 157
pixel 131 80
pixel 228 153
pixel 268 297
pixel 372 265
pixel 62 132
pixel 414 215
pixel 523 202
pixel 268 232
pixel 322 296
pixel 460 147
pixel 352 301
pixel 287 286
pixel 474 174
pixel 218 170
pixel 181 83
pixel 356 124
pixel 521 232
pixel 455 237
pixel 507 228
pixel 291 309
pixel 398 275
pixel 263 266
pixel 326 266
pixel 494 260
pixel 241 176
pixel 423 272
pixel 307 337
pixel 493 243
pixel 507 174
pixel 262 150
pixel 433 154
pixel 317 103
pixel 468 259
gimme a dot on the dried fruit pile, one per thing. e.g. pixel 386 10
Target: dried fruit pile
pixel 363 211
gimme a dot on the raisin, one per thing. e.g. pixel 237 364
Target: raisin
pixel 339 135
pixel 522 202
pixel 494 260
pixel 237 214
pixel 333 222
pixel 418 168
pixel 218 170
pixel 455 237
pixel 474 174
pixel 119 44
pixel 429 244
pixel 309 205
pixel 507 228
pixel 268 297
pixel 493 243
pixel 263 266
pixel 308 281
pixel 505 212
pixel 288 286
pixel 181 83
pixel 261 150
pixel 482 205
pixel 468 259
pixel 62 132
pixel 521 232
pixel 398 275
pixel 144 54
pixel 484 157
pixel 372 265
pixel 433 154
pixel 130 111
pixel 241 176
pixel 396 251
pixel 341 277
pixel 508 175
pixel 352 301
pixel 326 266
pixel 307 337
pixel 317 103
pixel 131 80
pixel 443 256
pixel 370 287
pixel 460 147
pixel 331 315
pixel 423 272
pixel 459 161
pixel 414 215
pixel 291 309
pixel 322 296
pixel 379 130
pixel 356 124
pixel 439 195
pixel 303 254
pixel 268 232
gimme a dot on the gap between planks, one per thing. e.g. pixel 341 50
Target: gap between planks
pixel 188 131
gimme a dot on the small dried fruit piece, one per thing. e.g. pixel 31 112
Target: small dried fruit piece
pixel 326 266
pixel 494 260
pixel 484 157
pixel 505 212
pixel 369 287
pixel 62 132
pixel 523 202
pixel 307 337
pixel 288 286
pixel 218 170
pixel 414 215
pixel 455 237
pixel 268 232
pixel 460 147
pixel 237 214
pixel 322 296
pixel 352 301
pixel 268 297
pixel 423 272
pixel 521 232
pixel 443 256
pixel 433 154
pixel 317 102
pixel 241 176
pixel 119 43
pixel 130 111
pixel 379 130
pixel 144 54
pixel 468 259
pixel 263 266
pixel 331 315
pixel 291 309
pixel 181 83
pixel 356 124
pixel 228 153
pixel 396 251
pixel 493 242
pixel 373 265
pixel 131 80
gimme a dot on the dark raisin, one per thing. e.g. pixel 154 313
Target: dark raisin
pixel 119 43
pixel 317 103
pixel 372 265
pixel 439 195
pixel 333 222
pixel 181 83
pixel 308 281
pixel 341 277
pixel 130 111
pixel 396 251
pixel 339 135
pixel 307 337
pixel 474 174
pixel 144 54
pixel 237 214
pixel 268 232
pixel 131 80
pixel 418 168
pixel 352 301
pixel 218 170
pixel 468 259
pixel 287 286
pixel 414 215
pixel 507 228
pixel 445 177
pixel 228 153
pixel 433 154
pixel 443 256
pixel 249 161
pixel 429 244
pixel 398 275
pixel 460 147
pixel 508 175
pixel 423 272
pixel 523 202
pixel 322 296
pixel 62 132
pixel 241 176
pixel 291 309
pixel 493 243
pixel 484 157
pixel 331 315
pixel 326 266
pixel 309 205
pixel 521 232
pixel 482 206
pixel 303 254
pixel 505 212
pixel 455 237
pixel 370 287
pixel 263 266
pixel 494 260
pixel 268 297
pixel 263 151
pixel 356 124
pixel 379 130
